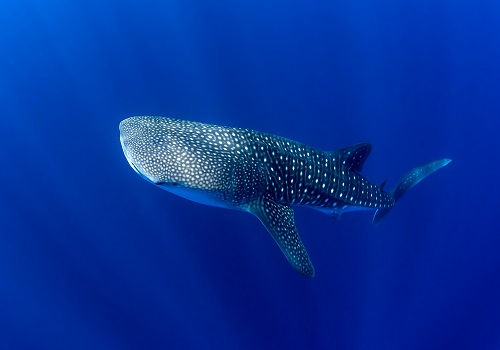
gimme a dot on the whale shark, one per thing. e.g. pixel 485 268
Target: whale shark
pixel 260 173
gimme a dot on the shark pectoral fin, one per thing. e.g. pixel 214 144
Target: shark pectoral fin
pixel 280 223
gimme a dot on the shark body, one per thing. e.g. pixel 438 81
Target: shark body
pixel 260 173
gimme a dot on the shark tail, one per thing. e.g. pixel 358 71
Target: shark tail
pixel 408 181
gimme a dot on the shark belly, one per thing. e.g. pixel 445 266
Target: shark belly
pixel 344 209
pixel 199 196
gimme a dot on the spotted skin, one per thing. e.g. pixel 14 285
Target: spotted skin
pixel 257 172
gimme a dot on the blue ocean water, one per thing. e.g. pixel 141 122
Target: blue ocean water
pixel 93 257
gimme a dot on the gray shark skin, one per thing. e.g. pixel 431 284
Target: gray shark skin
pixel 260 173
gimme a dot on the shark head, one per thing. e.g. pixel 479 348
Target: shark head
pixel 185 158
pixel 163 151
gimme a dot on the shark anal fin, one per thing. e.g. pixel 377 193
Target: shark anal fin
pixel 280 222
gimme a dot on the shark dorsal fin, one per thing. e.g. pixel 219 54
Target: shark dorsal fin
pixel 383 184
pixel 353 157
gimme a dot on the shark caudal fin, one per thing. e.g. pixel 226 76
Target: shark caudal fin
pixel 408 181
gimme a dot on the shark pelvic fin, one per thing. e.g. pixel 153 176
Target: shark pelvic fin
pixel 279 221
pixel 408 181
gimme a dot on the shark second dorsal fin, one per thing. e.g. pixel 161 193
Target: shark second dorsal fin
pixel 280 222
pixel 353 157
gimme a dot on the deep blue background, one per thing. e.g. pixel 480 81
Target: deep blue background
pixel 93 257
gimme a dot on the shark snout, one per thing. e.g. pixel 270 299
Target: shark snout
pixel 129 141
pixel 137 138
